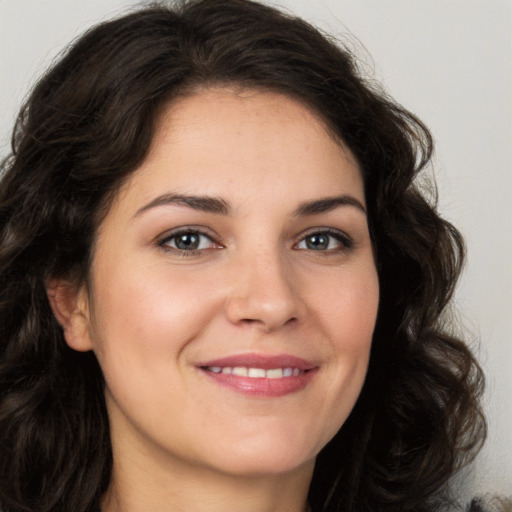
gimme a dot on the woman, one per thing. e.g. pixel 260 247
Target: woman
pixel 221 288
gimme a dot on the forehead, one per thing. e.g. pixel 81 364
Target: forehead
pixel 227 142
pixel 231 106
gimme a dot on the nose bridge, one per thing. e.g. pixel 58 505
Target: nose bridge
pixel 263 290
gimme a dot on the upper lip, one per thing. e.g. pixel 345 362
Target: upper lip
pixel 266 362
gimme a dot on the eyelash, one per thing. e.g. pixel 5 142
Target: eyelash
pixel 345 241
pixel 163 243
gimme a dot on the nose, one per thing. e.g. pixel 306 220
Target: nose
pixel 264 294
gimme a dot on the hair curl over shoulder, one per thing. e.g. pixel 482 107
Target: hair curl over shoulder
pixel 88 124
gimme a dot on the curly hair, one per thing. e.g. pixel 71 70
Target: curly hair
pixel 88 125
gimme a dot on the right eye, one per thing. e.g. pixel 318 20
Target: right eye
pixel 187 240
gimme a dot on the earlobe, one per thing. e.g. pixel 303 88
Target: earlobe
pixel 69 304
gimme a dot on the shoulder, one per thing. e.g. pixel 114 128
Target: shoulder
pixel 490 503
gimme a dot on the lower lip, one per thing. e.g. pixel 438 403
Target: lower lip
pixel 263 387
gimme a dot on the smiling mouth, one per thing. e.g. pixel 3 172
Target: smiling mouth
pixel 256 373
pixel 259 375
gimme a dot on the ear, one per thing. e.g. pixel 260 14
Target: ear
pixel 70 306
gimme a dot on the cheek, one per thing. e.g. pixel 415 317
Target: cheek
pixel 148 314
pixel 347 313
pixel 143 323
pixel 348 306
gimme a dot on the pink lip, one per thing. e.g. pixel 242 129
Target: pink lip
pixel 261 361
pixel 261 387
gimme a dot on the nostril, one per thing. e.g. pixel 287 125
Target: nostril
pixel 266 324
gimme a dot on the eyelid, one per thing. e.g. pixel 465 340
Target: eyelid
pixel 345 240
pixel 163 239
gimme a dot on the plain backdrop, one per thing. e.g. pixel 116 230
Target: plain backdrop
pixel 448 61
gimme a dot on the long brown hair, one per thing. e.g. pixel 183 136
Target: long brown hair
pixel 88 124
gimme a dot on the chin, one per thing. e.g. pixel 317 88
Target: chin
pixel 262 466
pixel 260 459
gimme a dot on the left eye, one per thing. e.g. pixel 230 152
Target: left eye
pixel 188 241
pixel 324 241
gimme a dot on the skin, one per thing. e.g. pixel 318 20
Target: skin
pixel 256 284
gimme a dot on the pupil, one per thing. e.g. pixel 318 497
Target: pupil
pixel 187 241
pixel 317 242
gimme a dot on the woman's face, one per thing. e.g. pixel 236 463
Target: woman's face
pixel 233 290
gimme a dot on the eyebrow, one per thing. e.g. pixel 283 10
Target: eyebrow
pixel 328 204
pixel 203 203
pixel 221 207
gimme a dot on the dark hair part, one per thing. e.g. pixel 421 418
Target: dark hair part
pixel 89 123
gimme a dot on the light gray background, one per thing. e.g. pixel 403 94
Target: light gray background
pixel 450 62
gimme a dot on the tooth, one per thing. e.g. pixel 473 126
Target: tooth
pixel 256 372
pixel 276 373
pixel 239 371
